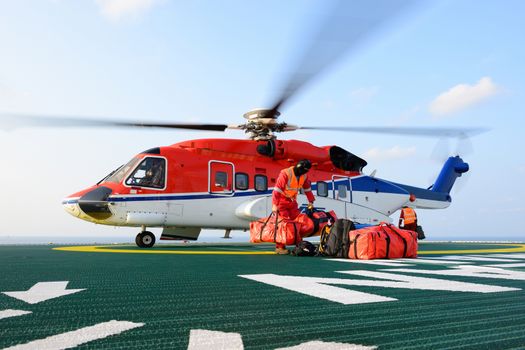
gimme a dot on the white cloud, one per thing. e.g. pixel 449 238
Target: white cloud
pixel 463 96
pixel 118 9
pixel 395 152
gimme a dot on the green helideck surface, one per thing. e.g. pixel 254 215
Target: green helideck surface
pixel 173 294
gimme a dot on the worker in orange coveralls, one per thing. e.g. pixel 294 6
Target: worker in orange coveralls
pixel 408 219
pixel 284 196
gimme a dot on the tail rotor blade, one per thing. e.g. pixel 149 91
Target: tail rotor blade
pixel 441 150
pixel 464 146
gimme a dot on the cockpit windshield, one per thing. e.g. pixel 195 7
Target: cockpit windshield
pixel 151 172
pixel 117 175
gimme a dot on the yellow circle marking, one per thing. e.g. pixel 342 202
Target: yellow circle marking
pixel 102 249
pixel 512 248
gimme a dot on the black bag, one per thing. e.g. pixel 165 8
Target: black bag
pixel 420 232
pixel 305 248
pixel 335 240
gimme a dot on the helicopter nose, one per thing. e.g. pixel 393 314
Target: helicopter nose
pixel 94 203
pixel 71 206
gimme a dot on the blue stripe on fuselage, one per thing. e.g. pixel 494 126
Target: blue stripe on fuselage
pixel 362 184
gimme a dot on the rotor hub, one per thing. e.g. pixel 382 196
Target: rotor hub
pixel 262 124
pixel 262 113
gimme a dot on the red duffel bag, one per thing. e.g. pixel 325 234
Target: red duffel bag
pixel 313 224
pixel 306 225
pixel 275 229
pixel 321 219
pixel 384 241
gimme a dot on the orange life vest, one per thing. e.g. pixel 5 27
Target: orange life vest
pixel 294 184
pixel 409 216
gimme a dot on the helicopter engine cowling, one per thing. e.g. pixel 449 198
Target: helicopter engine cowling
pixel 297 150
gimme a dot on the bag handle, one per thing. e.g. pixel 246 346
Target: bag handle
pixel 263 226
pixel 275 226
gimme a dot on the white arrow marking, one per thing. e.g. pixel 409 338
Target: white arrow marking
pixel 471 271
pixel 201 339
pixel 319 287
pixel 80 336
pixel 321 345
pixel 12 313
pixel 43 291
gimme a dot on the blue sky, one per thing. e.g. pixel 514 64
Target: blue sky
pixel 448 63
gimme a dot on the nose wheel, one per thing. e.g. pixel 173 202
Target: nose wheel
pixel 145 239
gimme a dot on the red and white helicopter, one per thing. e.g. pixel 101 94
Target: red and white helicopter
pixel 226 183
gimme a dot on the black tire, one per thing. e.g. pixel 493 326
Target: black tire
pixel 138 241
pixel 147 239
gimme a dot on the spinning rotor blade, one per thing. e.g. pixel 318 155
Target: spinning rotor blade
pixel 346 26
pixel 15 121
pixel 429 132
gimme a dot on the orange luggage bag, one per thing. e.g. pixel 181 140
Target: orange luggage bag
pixel 384 241
pixel 275 230
pixel 313 224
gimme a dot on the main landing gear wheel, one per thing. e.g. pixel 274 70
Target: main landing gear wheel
pixel 145 239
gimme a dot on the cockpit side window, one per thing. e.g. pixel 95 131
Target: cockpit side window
pixel 151 172
pixel 118 175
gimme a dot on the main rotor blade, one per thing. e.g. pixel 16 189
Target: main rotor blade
pixel 415 131
pixel 15 121
pixel 346 26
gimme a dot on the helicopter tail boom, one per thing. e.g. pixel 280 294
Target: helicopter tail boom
pixel 454 167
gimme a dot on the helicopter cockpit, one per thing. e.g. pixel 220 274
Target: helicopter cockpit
pixel 147 172
pixel 151 172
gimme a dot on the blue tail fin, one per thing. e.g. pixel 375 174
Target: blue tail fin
pixel 453 168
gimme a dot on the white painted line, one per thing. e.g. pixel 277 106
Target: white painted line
pixel 43 291
pixel 80 336
pixel 508 265
pixel 319 287
pixel 424 283
pixel 471 271
pixel 474 258
pixel 12 313
pixel 507 255
pixel 201 339
pixel 383 262
pixel 433 261
pixel 321 345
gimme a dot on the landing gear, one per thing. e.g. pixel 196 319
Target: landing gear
pixel 145 239
pixel 227 233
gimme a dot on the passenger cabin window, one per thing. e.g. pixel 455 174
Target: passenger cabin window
pixel 322 189
pixel 241 181
pixel 221 179
pixel 261 183
pixel 151 172
pixel 341 189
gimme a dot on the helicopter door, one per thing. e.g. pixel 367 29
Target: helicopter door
pixel 342 188
pixel 220 176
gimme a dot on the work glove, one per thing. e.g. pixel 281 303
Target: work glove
pixel 310 209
